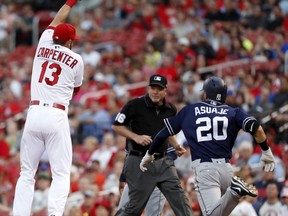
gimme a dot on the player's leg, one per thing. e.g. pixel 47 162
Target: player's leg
pixel 124 197
pixel 212 180
pixel 31 149
pixel 155 203
pixel 59 149
pixel 170 186
pixel 140 185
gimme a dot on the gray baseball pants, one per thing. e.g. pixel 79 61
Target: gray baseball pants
pixel 212 183
pixel 162 174
pixel 154 205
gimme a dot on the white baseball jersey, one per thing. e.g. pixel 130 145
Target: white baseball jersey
pixel 57 70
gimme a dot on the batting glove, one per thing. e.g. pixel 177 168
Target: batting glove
pixel 145 161
pixel 267 160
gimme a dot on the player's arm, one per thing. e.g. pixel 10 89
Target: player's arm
pixel 63 13
pixel 158 140
pixel 173 141
pixel 172 127
pixel 76 90
pixel 253 127
pixel 139 139
pixel 178 148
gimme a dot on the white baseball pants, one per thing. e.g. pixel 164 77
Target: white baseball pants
pixel 46 128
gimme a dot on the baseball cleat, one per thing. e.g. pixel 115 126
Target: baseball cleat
pixel 242 188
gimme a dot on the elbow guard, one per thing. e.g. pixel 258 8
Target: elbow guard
pixel 251 126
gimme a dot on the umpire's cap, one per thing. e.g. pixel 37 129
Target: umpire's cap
pixel 158 80
pixel 65 32
pixel 215 89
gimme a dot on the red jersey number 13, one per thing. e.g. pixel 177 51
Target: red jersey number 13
pixel 55 74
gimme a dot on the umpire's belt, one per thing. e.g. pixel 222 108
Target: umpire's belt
pixel 156 155
pixel 55 105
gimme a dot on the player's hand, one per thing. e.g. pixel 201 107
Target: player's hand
pixel 267 160
pixel 121 186
pixel 180 150
pixel 145 161
pixel 143 140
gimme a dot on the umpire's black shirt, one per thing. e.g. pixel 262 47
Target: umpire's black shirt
pixel 142 117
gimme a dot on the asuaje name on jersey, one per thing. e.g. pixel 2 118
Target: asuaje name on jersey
pixel 205 109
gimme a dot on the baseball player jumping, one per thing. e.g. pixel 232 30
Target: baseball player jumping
pixel 56 75
pixel 211 128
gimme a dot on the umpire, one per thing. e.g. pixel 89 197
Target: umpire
pixel 139 121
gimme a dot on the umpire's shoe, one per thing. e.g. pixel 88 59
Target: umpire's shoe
pixel 242 188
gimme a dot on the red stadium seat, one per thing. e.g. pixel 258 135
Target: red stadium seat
pixel 44 19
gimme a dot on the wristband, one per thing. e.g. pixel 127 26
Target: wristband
pixel 71 3
pixel 264 146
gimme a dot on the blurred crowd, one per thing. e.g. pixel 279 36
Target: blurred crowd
pixel 122 43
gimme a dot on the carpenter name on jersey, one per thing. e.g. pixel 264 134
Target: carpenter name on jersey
pixel 209 127
pixel 57 55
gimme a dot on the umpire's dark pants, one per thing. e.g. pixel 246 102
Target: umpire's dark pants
pixel 161 173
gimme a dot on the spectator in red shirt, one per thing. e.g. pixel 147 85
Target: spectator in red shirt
pixel 11 105
pixel 83 154
pixel 186 56
pixel 168 69
pixel 167 13
pixel 88 207
pixel 137 22
pixel 4 146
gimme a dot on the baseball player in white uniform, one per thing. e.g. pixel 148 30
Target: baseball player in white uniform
pixel 57 74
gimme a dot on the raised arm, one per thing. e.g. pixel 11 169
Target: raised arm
pixel 63 13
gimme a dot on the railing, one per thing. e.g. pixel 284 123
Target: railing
pixel 35 34
pixel 269 117
pixel 219 67
pixel 100 93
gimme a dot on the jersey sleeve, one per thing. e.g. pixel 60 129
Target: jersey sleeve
pixel 173 124
pixel 124 116
pixel 243 118
pixel 79 72
pixel 172 127
pixel 46 37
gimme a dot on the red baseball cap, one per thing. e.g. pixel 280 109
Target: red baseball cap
pixel 65 32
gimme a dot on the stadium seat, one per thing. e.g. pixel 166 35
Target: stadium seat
pixel 44 19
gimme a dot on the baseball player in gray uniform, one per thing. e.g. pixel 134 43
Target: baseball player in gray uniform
pixel 57 74
pixel 211 128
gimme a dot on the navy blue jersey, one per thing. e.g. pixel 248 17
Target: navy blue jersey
pixel 209 127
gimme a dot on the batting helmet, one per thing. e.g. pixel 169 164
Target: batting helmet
pixel 215 89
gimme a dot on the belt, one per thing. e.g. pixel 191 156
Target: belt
pixel 55 105
pixel 156 155
pixel 215 159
